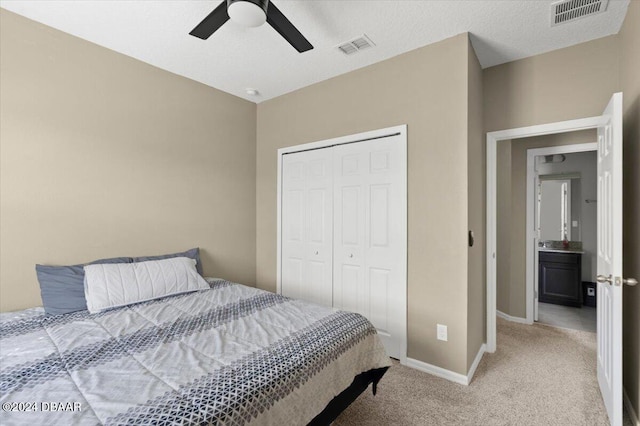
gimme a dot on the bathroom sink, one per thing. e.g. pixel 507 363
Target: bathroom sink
pixel 559 250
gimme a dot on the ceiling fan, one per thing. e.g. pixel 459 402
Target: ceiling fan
pixel 251 13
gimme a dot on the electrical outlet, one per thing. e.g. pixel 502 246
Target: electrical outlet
pixel 442 332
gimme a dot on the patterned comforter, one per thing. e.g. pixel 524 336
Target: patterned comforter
pixel 231 355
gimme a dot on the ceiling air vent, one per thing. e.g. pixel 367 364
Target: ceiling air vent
pixel 570 10
pixel 356 45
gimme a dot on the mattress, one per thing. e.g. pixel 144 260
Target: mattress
pixel 229 355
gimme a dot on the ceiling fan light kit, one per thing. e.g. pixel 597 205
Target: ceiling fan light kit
pixel 249 13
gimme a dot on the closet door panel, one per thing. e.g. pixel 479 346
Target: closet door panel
pixel 379 214
pixel 292 277
pixel 294 214
pixel 349 216
pixel 349 207
pixel 379 297
pixel 317 283
pixel 293 200
pixel 319 226
pixel 346 296
pixel 376 169
pixel 307 215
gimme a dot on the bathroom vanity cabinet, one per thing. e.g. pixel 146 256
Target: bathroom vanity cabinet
pixel 560 277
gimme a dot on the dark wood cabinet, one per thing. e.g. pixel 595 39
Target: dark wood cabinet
pixel 560 278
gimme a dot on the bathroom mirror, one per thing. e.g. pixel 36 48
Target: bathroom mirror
pixel 554 206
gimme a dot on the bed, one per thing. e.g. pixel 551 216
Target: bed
pixel 229 354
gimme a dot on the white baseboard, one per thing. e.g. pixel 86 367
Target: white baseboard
pixel 437 371
pixel 510 318
pixel 476 361
pixel 448 374
pixel 630 410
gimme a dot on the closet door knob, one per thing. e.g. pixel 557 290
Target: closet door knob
pixel 351 255
pixel 316 253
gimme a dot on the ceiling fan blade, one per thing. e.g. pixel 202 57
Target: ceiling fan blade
pixel 281 24
pixel 212 22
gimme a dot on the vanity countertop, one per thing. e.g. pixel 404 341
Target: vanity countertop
pixel 556 250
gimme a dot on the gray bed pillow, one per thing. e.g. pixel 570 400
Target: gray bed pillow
pixel 194 254
pixel 62 287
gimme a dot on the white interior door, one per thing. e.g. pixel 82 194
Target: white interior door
pixel 307 228
pixel 610 259
pixel 369 267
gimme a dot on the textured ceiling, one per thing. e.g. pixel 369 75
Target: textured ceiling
pixel 236 58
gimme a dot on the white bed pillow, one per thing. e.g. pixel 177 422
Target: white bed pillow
pixel 118 284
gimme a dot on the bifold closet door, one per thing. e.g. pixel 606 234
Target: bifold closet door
pixel 307 228
pixel 369 263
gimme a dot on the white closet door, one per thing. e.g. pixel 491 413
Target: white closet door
pixel 307 215
pixel 369 272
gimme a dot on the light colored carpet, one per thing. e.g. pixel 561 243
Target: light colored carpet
pixel 540 375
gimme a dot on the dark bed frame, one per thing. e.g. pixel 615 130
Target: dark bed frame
pixel 346 397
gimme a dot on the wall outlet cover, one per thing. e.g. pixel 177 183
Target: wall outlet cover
pixel 442 332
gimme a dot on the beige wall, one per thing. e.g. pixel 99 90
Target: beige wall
pixel 574 82
pixel 503 230
pixel 630 80
pixel 477 170
pixel 102 155
pixel 512 198
pixel 427 90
